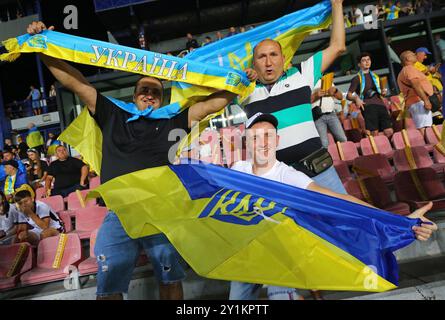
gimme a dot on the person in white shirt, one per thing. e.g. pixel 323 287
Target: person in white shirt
pixel 261 143
pixel 324 111
pixel 8 221
pixel 358 15
pixel 36 220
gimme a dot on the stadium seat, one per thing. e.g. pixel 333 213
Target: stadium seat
pixel 353 135
pixel 46 254
pixel 431 137
pixel 382 146
pixel 16 260
pixel 343 171
pixel 379 195
pixel 89 265
pixel 409 124
pixel 374 165
pixel 88 219
pixel 344 151
pixel 421 158
pixel 66 216
pixel 232 142
pixel 331 138
pixel 94 182
pixel 346 123
pixel 415 140
pixel 429 185
pixel 74 201
pixel 55 202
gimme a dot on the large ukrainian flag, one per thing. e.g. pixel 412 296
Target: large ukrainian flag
pixel 234 226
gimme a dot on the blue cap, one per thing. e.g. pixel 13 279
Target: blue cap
pixel 423 49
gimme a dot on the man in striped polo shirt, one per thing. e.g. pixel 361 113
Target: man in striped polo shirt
pixel 287 95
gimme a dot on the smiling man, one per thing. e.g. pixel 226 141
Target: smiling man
pixel 132 142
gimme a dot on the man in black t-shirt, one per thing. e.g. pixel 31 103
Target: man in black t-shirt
pixel 130 143
pixel 70 174
pixel 365 92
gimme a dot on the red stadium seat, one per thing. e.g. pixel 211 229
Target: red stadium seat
pixel 40 193
pixel 88 219
pixel 374 165
pixel 378 194
pixel 415 140
pixel 74 202
pixel 331 138
pixel 89 265
pixel 55 202
pixel 16 260
pixel 431 137
pixel 344 151
pixel 343 171
pixel 421 158
pixel 432 188
pixel 382 146
pixel 94 182
pixel 46 254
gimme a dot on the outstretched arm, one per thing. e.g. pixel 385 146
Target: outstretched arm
pixel 337 43
pixel 211 104
pixel 67 75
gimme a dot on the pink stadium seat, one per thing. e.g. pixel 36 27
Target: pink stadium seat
pixel 430 136
pixel 409 124
pixel 347 125
pixel 430 186
pixel 88 219
pixel 232 142
pixel 382 144
pixel 343 171
pixel 46 253
pixel 438 157
pixel 74 202
pixel 66 216
pixel 55 202
pixel 331 138
pixel 349 152
pixel 378 194
pixel 421 158
pixel 415 139
pixel 89 265
pixel 94 182
pixel 374 165
pixel 8 254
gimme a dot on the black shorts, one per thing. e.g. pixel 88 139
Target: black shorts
pixel 376 117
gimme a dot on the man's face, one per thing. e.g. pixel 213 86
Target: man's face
pixel 365 63
pixel 8 142
pixel 148 93
pixel 232 29
pixel 32 156
pixel 421 56
pixel 262 142
pixel 409 57
pixel 268 61
pixel 8 156
pixel 189 36
pixel 10 170
pixel 26 204
pixel 61 153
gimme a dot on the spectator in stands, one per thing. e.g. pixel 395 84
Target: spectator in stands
pixel 70 174
pixel 192 43
pixel 232 32
pixel 441 45
pixel 392 10
pixel 13 179
pixel 365 92
pixel 8 221
pixel 324 111
pixel 207 41
pixel 8 145
pixel 381 10
pixel 262 143
pixel 37 169
pixel 219 36
pixel 416 88
pixel 36 220
pixel 52 92
pixel 23 147
pixel 8 155
pixel 34 138
pixel 242 29
pixel 34 96
pixel 357 15
pixel 51 138
pixel 149 148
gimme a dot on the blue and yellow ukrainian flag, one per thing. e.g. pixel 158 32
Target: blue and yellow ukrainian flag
pixel 234 226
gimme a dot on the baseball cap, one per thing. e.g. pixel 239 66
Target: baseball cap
pixel 423 49
pixel 259 117
pixel 11 163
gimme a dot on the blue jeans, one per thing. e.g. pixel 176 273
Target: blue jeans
pixel 117 255
pixel 331 122
pixel 328 179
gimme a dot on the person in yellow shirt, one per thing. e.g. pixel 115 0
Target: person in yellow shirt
pixel 430 72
